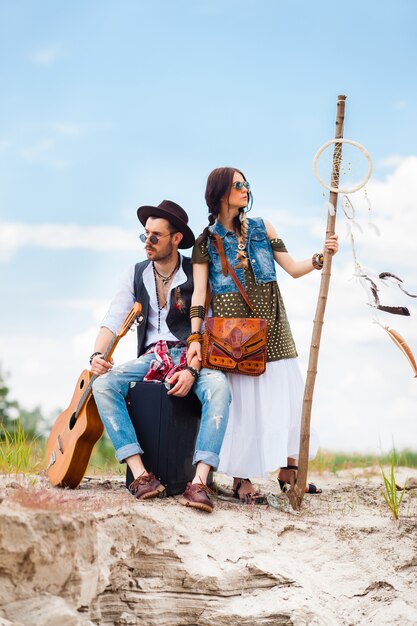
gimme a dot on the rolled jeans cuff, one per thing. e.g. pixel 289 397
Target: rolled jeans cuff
pixel 210 458
pixel 129 450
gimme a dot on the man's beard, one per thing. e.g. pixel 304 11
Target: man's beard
pixel 163 254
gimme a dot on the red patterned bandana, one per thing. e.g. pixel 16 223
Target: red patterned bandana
pixel 162 367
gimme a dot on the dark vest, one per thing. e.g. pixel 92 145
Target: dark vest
pixel 178 320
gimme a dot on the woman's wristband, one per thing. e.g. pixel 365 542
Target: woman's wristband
pixel 317 261
pixel 196 336
pixel 198 311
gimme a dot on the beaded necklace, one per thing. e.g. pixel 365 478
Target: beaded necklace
pixel 165 281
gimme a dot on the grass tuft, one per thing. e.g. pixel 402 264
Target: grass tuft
pixel 390 493
pixel 19 453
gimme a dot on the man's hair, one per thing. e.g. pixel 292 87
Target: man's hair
pixel 171 228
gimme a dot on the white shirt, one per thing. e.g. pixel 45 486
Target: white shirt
pixel 125 299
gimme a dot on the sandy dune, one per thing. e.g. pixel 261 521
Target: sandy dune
pixel 97 556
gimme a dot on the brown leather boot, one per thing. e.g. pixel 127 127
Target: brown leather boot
pixel 197 496
pixel 145 487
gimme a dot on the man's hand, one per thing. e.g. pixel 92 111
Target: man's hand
pixel 181 383
pixel 99 366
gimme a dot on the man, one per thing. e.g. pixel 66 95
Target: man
pixel 163 285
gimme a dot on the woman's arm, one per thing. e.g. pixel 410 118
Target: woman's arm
pixel 291 266
pixel 200 278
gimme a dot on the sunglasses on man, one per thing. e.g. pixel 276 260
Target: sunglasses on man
pixel 154 239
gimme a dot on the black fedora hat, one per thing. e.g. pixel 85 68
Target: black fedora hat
pixel 175 216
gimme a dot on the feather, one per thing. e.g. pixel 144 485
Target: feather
pixel 375 228
pixel 396 310
pixel 242 259
pixel 401 344
pixel 330 208
pixel 385 275
pixel 406 292
pixel 348 229
pixel 373 288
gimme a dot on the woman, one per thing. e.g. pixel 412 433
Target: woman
pixel 263 432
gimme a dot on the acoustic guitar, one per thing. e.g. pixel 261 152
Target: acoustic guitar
pixel 79 427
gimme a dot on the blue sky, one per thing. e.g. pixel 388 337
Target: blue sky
pixel 109 105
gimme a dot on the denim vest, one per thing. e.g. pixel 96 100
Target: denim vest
pixel 259 252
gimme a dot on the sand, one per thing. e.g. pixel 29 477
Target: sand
pixel 95 555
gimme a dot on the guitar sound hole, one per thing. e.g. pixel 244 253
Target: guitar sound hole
pixel 73 421
pixel 82 383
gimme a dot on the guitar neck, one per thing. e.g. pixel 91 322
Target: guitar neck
pixel 88 390
pixel 132 315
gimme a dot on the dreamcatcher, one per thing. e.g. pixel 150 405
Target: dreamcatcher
pixel 345 182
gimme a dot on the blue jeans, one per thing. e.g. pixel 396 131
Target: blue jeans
pixel 211 388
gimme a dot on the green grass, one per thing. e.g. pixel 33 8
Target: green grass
pixel 103 459
pixel 22 454
pixel 336 461
pixel 390 493
pixel 18 452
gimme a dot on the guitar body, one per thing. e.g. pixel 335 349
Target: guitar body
pixel 72 439
pixel 79 427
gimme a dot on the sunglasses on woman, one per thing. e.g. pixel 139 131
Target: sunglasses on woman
pixel 238 185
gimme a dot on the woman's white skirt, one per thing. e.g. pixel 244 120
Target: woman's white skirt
pixel 264 421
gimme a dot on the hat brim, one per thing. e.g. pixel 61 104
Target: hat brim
pixel 188 239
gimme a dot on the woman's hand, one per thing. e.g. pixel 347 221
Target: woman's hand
pixel 331 244
pixel 193 351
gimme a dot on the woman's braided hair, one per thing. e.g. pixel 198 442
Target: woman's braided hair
pixel 219 184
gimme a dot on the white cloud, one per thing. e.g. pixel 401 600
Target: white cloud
pixel 285 218
pixel 393 211
pixel 68 128
pixel 389 162
pixel 43 372
pixel 47 55
pixel 38 151
pixel 43 152
pixel 365 394
pixel 400 105
pixel 14 236
pixel 395 196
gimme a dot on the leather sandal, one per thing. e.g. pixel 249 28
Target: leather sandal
pixel 197 496
pixel 253 497
pixel 310 488
pixel 145 487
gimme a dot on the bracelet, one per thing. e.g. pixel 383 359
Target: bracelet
pixel 93 355
pixel 317 261
pixel 196 336
pixel 198 311
pixel 193 371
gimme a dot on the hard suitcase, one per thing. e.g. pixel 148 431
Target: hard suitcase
pixel 166 428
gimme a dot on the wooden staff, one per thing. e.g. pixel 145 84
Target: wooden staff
pixel 296 493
